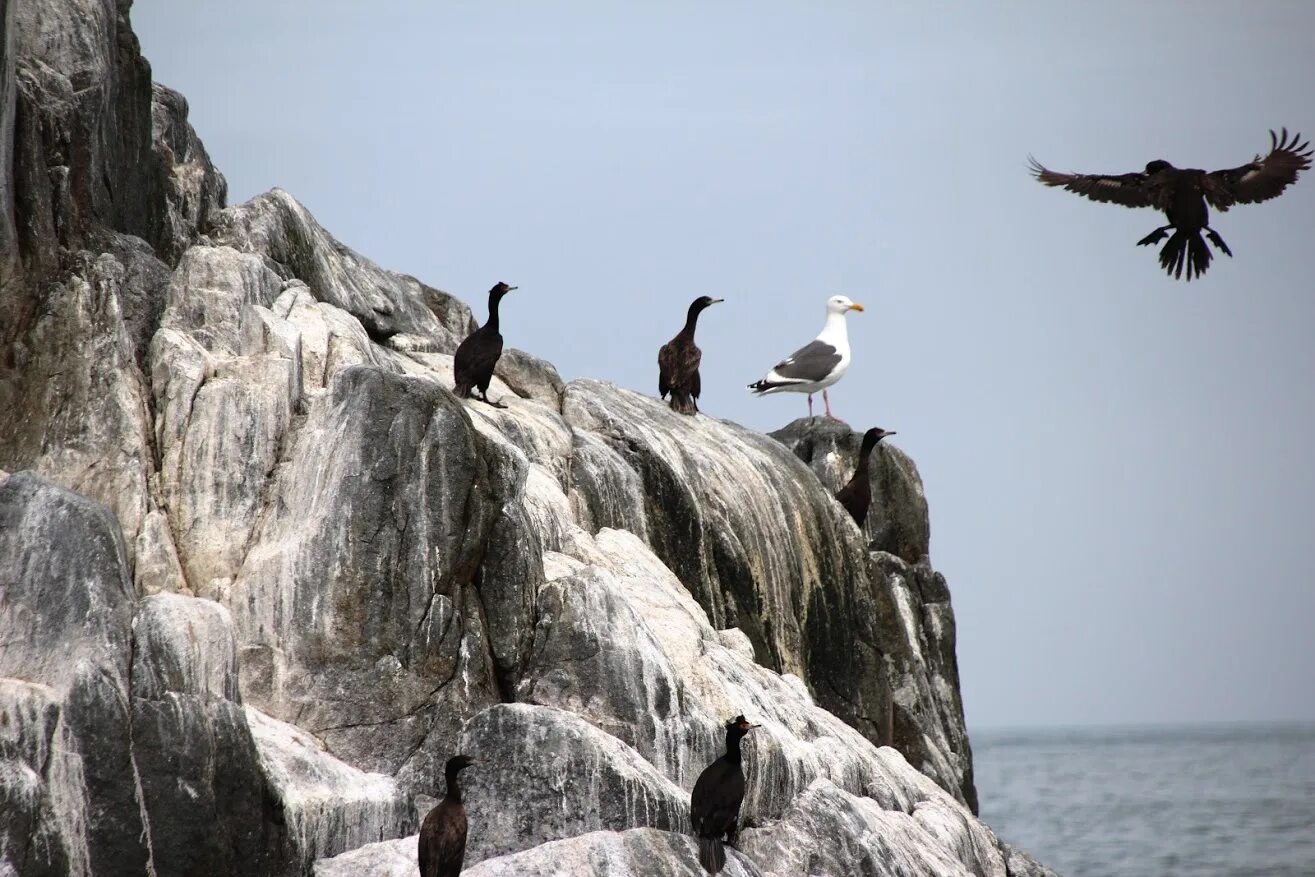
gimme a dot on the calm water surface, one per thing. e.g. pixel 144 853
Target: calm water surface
pixel 1204 800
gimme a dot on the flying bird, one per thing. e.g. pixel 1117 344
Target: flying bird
pixel 678 362
pixel 478 354
pixel 856 496
pixel 818 364
pixel 714 806
pixel 443 833
pixel 1183 193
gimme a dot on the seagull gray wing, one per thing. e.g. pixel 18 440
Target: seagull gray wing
pixel 809 364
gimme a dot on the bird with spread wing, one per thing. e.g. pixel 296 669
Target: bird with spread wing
pixel 1183 193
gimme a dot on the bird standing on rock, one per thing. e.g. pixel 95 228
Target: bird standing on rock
pixel 678 362
pixel 714 806
pixel 443 834
pixel 856 496
pixel 818 364
pixel 1182 193
pixel 478 354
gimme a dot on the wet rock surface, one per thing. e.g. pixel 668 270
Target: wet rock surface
pixel 261 573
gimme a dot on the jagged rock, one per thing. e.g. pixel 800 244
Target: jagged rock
pixel 194 188
pixel 323 805
pixel 829 831
pixel 320 574
pixel 639 852
pixel 530 377
pixel 281 231
pixel 200 779
pixel 742 524
pixel 545 774
pixel 897 522
pixel 75 398
pixel 65 610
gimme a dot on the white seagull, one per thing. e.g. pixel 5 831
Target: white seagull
pixel 818 364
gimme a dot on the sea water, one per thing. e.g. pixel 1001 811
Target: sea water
pixel 1154 802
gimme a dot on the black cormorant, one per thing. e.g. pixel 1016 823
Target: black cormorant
pixel 856 496
pixel 478 354
pixel 1182 193
pixel 714 807
pixel 818 364
pixel 678 362
pixel 443 834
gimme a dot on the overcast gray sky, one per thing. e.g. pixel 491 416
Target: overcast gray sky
pixel 1118 464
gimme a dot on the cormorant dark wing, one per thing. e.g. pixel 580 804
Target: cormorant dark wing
pixel 1130 190
pixel 476 358
pixel 715 801
pixel 1262 178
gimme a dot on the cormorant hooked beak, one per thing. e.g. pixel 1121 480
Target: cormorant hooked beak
pixel 853 307
pixel 716 301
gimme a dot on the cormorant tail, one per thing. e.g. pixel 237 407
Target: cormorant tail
pixel 1185 250
pixel 683 403
pixel 462 390
pixel 712 855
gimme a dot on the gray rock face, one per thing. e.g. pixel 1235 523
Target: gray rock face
pixel 897 522
pixel 261 573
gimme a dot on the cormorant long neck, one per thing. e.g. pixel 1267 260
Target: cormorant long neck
pixel 733 747
pixel 864 455
pixel 691 321
pixel 492 324
pixel 453 785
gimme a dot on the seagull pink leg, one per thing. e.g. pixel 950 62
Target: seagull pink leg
pixel 827 401
pixel 810 406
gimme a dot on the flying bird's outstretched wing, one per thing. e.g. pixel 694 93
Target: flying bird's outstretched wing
pixel 1130 190
pixel 1262 178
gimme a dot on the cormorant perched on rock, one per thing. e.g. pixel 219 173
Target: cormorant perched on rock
pixel 478 354
pixel 818 364
pixel 443 834
pixel 714 807
pixel 1182 193
pixel 678 362
pixel 856 496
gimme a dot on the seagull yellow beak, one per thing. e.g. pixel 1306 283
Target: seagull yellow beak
pixel 856 307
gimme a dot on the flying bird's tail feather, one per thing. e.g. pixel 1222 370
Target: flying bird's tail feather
pixel 1185 250
pixel 712 855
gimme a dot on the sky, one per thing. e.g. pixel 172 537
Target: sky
pixel 1118 464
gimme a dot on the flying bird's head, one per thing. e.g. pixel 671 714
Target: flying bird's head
pixel 1154 167
pixel 840 304
pixel 501 289
pixel 704 301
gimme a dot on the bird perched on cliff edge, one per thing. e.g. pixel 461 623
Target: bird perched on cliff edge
pixel 818 364
pixel 1182 193
pixel 714 806
pixel 478 354
pixel 678 362
pixel 856 496
pixel 443 834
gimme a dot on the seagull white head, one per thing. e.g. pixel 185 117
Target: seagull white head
pixel 840 304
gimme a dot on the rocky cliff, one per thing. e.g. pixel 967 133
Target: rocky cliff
pixel 261 573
